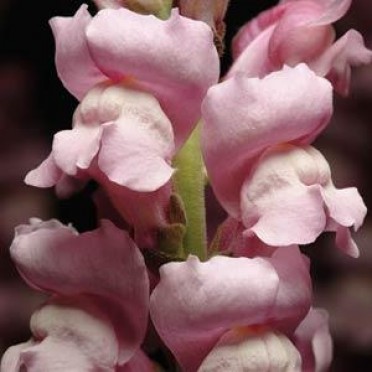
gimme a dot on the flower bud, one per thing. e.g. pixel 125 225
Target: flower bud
pixel 160 8
pixel 212 12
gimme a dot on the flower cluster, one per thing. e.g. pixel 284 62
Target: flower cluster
pixel 152 108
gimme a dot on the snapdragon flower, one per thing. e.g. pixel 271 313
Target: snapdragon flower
pixel 196 303
pixel 96 316
pixel 244 142
pixel 298 31
pixel 140 99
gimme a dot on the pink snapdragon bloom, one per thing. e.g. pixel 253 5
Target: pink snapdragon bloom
pixel 300 31
pixel 173 60
pixel 289 198
pixel 243 117
pixel 197 305
pixel 97 315
pixel 313 340
pixel 140 98
pixel 283 194
pixel 122 139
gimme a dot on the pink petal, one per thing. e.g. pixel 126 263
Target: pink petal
pixel 137 148
pixel 336 62
pixel 284 35
pixel 254 28
pixel 76 148
pixel 281 222
pixel 196 303
pixel 47 174
pixel 333 10
pixel 145 211
pixel 240 350
pixel 11 361
pixel 102 263
pixel 157 55
pixel 313 340
pixel 243 117
pixel 127 158
pixel 270 209
pixel 346 206
pixel 298 37
pixel 75 66
pixel 289 198
pixel 345 242
pixel 299 31
pixel 72 335
pixel 295 288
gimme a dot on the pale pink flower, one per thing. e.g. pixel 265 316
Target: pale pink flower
pixel 196 303
pixel 313 340
pixel 245 116
pixel 122 139
pixel 97 315
pixel 254 144
pixel 300 31
pixel 174 60
pixel 141 81
pixel 126 128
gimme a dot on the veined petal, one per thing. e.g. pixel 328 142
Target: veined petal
pixel 243 117
pixel 103 263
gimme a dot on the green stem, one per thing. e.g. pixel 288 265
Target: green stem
pixel 189 184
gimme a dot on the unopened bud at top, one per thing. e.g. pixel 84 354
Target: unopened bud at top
pixel 160 8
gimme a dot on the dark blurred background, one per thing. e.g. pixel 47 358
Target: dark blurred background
pixel 34 105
